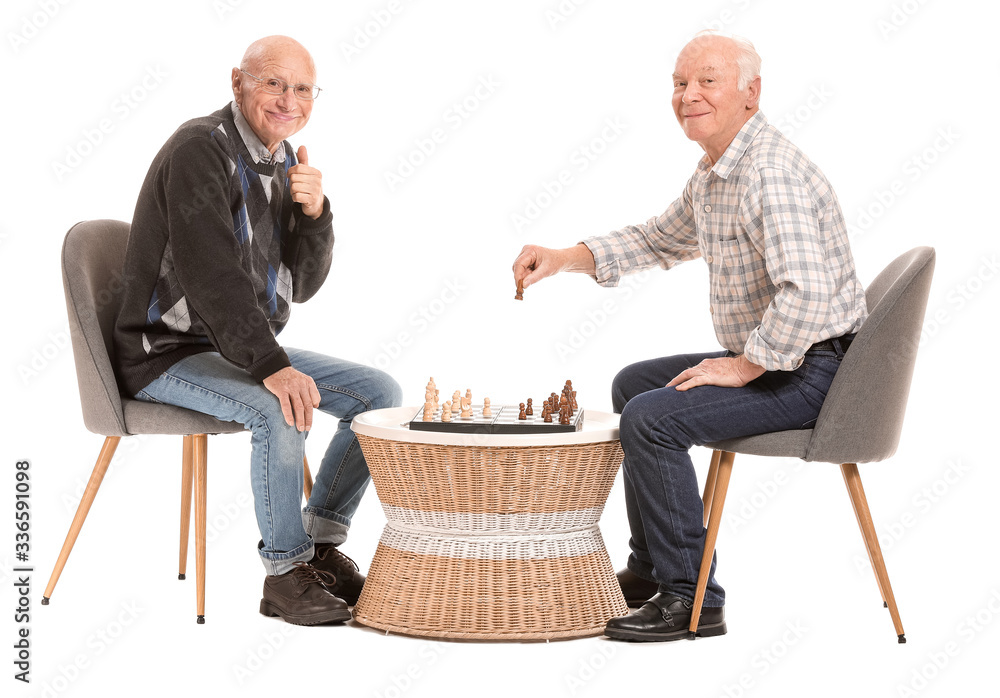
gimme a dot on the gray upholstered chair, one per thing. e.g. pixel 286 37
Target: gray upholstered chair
pixel 93 256
pixel 861 418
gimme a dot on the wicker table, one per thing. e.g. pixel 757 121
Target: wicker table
pixel 490 537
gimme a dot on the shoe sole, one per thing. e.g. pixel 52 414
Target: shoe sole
pixel 637 636
pixel 337 616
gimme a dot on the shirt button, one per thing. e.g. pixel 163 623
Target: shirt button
pixel 708 209
pixel 711 310
pixel 709 259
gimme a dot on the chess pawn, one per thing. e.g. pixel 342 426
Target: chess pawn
pixel 468 394
pixel 466 405
pixel 572 401
pixel 564 414
pixel 455 399
pixel 546 413
pixel 446 412
pixel 487 412
pixel 528 410
pixel 428 412
pixel 437 398
pixel 521 414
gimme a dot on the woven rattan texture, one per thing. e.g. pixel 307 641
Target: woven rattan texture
pixel 480 599
pixel 503 480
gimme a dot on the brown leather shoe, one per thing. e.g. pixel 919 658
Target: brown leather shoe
pixel 349 579
pixel 636 590
pixel 301 597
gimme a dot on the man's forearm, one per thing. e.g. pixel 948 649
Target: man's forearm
pixel 579 259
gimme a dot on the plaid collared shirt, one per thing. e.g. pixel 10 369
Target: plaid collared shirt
pixel 258 151
pixel 768 224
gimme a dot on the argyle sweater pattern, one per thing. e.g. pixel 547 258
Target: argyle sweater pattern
pixel 216 253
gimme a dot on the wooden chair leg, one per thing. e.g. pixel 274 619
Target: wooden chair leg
pixel 871 560
pixel 708 495
pixel 724 470
pixel 854 488
pixel 96 477
pixel 307 480
pixel 200 465
pixel 187 476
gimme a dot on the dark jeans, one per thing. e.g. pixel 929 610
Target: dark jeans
pixel 658 427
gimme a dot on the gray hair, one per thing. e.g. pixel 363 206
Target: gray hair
pixel 747 59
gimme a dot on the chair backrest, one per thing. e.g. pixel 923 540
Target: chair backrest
pixel 93 257
pixel 862 416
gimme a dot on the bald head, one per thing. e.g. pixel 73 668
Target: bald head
pixel 276 50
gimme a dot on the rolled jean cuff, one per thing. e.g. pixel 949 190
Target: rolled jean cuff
pixel 325 526
pixel 279 563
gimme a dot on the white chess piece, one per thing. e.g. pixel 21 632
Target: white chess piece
pixel 466 405
pixel 446 413
pixel 487 412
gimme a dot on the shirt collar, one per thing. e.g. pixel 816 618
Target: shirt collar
pixel 740 143
pixel 258 151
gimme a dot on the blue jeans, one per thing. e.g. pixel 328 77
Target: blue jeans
pixel 209 383
pixel 658 427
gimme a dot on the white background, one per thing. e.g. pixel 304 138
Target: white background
pixel 865 88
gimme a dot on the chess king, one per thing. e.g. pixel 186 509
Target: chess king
pixel 230 228
pixel 785 303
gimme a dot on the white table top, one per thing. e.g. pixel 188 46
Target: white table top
pixel 393 424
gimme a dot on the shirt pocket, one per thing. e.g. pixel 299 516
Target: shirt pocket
pixel 728 280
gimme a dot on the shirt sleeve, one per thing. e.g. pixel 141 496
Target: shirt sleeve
pixel 788 239
pixel 206 258
pixel 662 241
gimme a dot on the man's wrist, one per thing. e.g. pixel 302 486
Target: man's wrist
pixel 747 369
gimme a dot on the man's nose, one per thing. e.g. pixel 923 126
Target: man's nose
pixel 286 100
pixel 691 94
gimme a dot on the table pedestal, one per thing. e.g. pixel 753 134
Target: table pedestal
pixel 491 543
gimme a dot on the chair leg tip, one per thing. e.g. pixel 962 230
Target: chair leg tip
pixel 902 639
pixel 181 576
pixel 885 604
pixel 691 635
pixel 201 620
pixel 45 600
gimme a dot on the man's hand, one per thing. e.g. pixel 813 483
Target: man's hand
pixel 307 185
pixel 535 263
pixel 727 372
pixel 298 395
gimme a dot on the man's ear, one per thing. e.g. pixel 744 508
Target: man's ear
pixel 753 94
pixel 237 83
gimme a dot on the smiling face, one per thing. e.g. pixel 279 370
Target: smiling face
pixel 274 118
pixel 707 100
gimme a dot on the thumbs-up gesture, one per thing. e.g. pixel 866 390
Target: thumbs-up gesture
pixel 307 185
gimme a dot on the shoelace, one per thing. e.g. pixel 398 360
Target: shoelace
pixel 304 573
pixel 327 551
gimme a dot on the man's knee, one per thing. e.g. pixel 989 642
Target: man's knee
pixel 384 391
pixel 649 418
pixel 623 387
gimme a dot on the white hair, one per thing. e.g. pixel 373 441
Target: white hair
pixel 747 59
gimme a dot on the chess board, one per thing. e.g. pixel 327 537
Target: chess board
pixel 503 421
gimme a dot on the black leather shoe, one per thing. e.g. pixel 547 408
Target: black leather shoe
pixel 301 597
pixel 665 617
pixel 636 590
pixel 349 579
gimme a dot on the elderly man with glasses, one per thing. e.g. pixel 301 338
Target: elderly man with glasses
pixel 230 228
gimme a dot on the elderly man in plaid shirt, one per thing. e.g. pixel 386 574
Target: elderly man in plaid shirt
pixel 785 302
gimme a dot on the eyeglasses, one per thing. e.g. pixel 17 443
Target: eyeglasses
pixel 277 86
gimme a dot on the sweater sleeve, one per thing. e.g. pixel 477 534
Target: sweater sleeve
pixel 206 255
pixel 309 251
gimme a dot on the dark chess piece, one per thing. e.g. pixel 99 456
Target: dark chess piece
pixel 547 413
pixel 521 414
pixel 528 410
pixel 572 401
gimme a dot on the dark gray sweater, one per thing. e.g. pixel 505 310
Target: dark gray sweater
pixel 216 253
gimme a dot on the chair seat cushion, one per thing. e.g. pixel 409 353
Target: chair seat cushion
pixel 782 444
pixel 153 418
